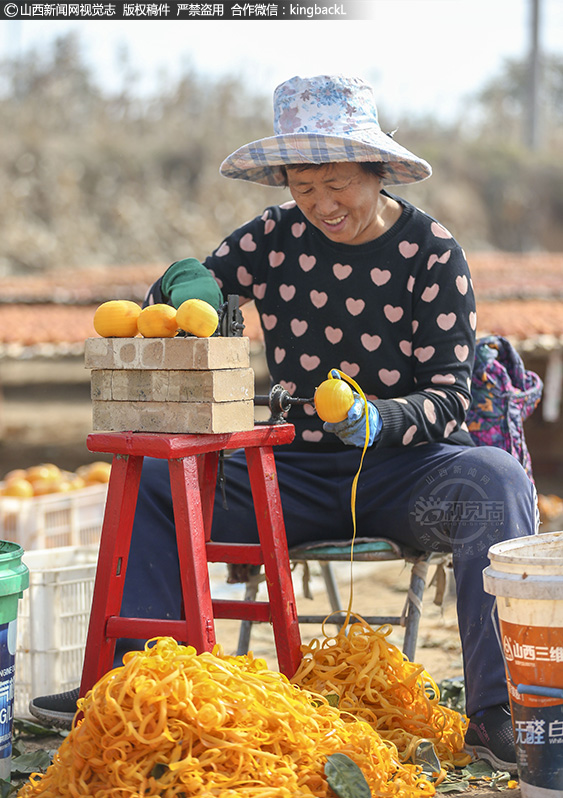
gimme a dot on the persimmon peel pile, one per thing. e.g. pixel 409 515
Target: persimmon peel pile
pixel 170 722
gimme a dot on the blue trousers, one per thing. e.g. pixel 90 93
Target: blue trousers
pixel 435 497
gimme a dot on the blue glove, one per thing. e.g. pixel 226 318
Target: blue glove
pixel 352 431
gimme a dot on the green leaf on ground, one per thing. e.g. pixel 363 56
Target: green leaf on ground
pixel 31 762
pixel 460 785
pixel 345 777
pixel 7 789
pixel 425 755
pixel 30 729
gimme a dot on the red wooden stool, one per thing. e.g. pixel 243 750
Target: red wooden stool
pixel 192 460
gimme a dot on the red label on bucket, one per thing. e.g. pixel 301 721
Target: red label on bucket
pixel 533 656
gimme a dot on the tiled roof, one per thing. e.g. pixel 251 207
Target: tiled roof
pixel 518 296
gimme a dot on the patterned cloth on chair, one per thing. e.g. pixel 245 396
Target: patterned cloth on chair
pixel 504 394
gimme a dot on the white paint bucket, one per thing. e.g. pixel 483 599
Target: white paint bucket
pixel 526 576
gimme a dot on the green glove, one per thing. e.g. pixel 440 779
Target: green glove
pixel 189 279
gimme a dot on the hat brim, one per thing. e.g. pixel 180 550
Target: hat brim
pixel 260 161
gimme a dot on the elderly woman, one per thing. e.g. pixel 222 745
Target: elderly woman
pixel 348 275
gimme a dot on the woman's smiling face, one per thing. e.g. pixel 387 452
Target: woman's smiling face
pixel 340 199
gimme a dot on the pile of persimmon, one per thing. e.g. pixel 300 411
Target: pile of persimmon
pixel 39 480
pixel 122 318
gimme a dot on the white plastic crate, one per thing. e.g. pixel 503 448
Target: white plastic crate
pixel 55 519
pixel 53 617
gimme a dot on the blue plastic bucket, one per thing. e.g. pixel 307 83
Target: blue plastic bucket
pixel 14 579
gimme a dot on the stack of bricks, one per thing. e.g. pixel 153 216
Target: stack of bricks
pixel 171 385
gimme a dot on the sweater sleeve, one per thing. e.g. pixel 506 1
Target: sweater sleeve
pixel 443 350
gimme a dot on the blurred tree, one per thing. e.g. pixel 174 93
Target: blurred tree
pixel 503 101
pixel 89 176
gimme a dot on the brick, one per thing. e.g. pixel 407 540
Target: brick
pixel 167 353
pixel 221 385
pixel 140 386
pixel 100 385
pixel 173 417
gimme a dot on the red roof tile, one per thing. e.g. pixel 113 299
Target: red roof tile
pixel 518 296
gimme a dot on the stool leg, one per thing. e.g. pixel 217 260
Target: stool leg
pixel 273 540
pixel 245 629
pixel 192 554
pixel 115 540
pixel 331 586
pixel 207 469
pixel 414 612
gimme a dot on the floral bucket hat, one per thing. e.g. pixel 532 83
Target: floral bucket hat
pixel 324 119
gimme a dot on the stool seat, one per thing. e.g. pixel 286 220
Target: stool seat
pixel 192 462
pixel 364 550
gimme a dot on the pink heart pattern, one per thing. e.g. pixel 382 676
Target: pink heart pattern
pixel 276 259
pixel 247 243
pixel 387 289
pixel 449 428
pixel 307 262
pixel 443 379
pixel 298 327
pixel 351 369
pixel 429 410
pixel 341 271
pixel 287 292
pixel 333 334
pixel 355 306
pixel 430 293
pixel 319 298
pixel 446 321
pixel 310 362
pixel 462 284
pixel 424 353
pixel 461 352
pixel 464 400
pixel 442 259
pixel 393 313
pixel 279 354
pixel 389 377
pixel 370 342
pixel 439 230
pixel 244 277
pixel 407 249
pixel 380 276
pixel 312 435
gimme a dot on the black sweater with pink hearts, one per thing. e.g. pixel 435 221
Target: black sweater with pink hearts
pixel 397 314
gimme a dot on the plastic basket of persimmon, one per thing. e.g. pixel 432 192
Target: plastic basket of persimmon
pixel 44 507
